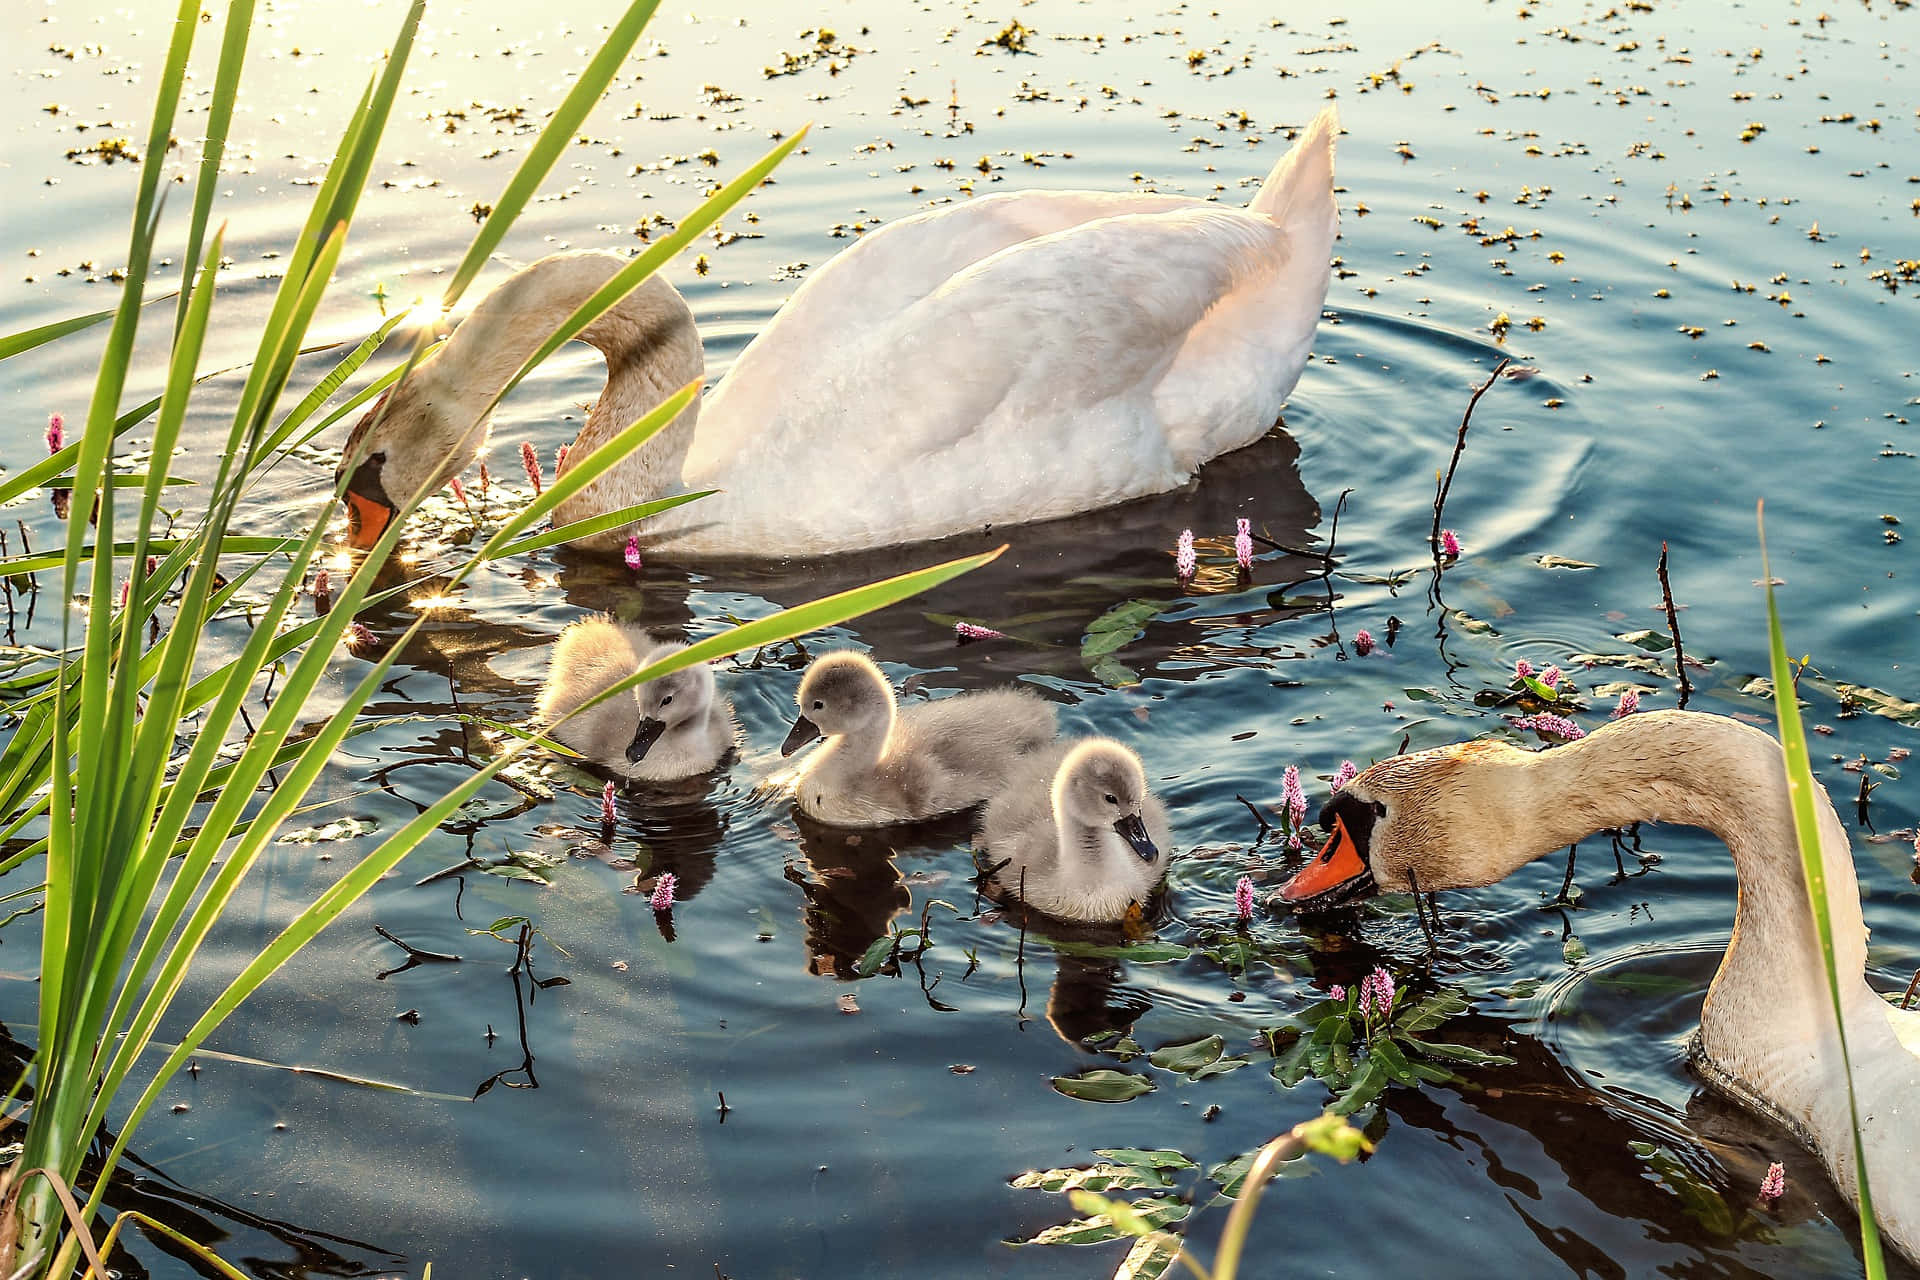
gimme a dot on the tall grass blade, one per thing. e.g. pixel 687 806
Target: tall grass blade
pixel 13 344
pixel 1806 827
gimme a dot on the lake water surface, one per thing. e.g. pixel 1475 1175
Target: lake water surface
pixel 1698 224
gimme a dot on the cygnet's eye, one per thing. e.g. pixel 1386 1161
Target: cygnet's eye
pixel 819 705
pixel 667 701
pixel 1379 810
pixel 1112 798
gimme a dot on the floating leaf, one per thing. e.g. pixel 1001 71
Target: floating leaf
pixel 1146 1158
pixel 1363 1086
pixel 1151 952
pixel 875 955
pixel 1430 1012
pixel 338 829
pixel 1657 641
pixel 1150 1258
pixel 1458 1053
pixel 1103 1084
pixel 1879 702
pixel 1562 562
pixel 1117 628
pixel 1099 1177
pixel 1115 675
pixel 1111 1220
pixel 1573 950
pixel 1190 1056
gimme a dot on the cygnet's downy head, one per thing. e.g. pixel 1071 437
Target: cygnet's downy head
pixel 1101 784
pixel 675 699
pixel 841 693
pixel 416 436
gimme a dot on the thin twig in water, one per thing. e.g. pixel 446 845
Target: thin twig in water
pixel 1673 628
pixel 415 955
pixel 1445 485
pixel 1907 999
pixel 1265 826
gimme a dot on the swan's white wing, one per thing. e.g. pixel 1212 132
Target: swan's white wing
pixel 1059 374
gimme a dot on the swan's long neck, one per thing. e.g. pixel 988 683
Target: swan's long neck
pixel 650 342
pixel 1768 1022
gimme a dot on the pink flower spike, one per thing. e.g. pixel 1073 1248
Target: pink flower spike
pixel 1293 798
pixel 459 492
pixel 1449 544
pixel 1376 994
pixel 1336 992
pixel 1344 774
pixel 1774 1185
pixel 531 461
pixel 486 481
pixel 607 813
pixel 1184 562
pixel 1522 669
pixel 1363 642
pixel 1243 898
pixel 967 633
pixel 1243 543
pixel 1551 677
pixel 56 433
pixel 560 458
pixel 126 592
pixel 358 637
pixel 663 892
pixel 1629 703
pixel 1549 725
pixel 322 584
pixel 632 552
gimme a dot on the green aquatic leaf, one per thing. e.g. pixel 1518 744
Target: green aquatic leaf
pixel 1189 1056
pixel 1117 628
pixel 1647 638
pixel 1111 1219
pixel 1879 702
pixel 1393 1062
pixel 1151 1257
pixel 875 955
pixel 1115 675
pixel 1151 951
pixel 1103 1084
pixel 1430 1012
pixel 1146 1158
pixel 1573 951
pixel 1368 1079
pixel 339 829
pixel 1562 562
pixel 1457 1053
pixel 1099 1177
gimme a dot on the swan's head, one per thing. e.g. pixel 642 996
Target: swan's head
pixel 418 435
pixel 1438 817
pixel 841 693
pixel 1101 784
pixel 670 702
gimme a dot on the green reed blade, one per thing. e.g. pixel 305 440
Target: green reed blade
pixel 1806 825
pixel 579 529
pixel 213 146
pixel 13 344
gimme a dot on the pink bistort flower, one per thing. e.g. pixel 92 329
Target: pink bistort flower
pixel 1629 703
pixel 459 492
pixel 1294 800
pixel 968 632
pixel 1243 898
pixel 1376 994
pixel 1449 544
pixel 1336 992
pixel 1549 725
pixel 1522 669
pixel 606 807
pixel 560 458
pixel 663 892
pixel 531 461
pixel 56 433
pixel 1774 1185
pixel 632 553
pixel 1243 543
pixel 1344 774
pixel 1363 642
pixel 1185 564
pixel 1551 677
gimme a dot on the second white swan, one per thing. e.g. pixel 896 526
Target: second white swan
pixel 1464 816
pixel 1008 359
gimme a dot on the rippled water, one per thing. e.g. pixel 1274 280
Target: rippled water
pixel 1748 172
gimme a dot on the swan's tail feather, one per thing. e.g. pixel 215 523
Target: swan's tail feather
pixel 1300 188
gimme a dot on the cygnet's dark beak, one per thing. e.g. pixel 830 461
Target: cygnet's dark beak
pixel 649 733
pixel 804 731
pixel 1134 832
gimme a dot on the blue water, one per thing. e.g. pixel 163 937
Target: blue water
pixel 1611 143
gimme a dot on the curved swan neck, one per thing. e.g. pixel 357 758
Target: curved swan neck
pixel 649 339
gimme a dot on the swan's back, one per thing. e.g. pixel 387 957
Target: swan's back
pixel 981 735
pixel 1022 357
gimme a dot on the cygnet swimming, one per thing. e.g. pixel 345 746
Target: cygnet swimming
pixel 673 727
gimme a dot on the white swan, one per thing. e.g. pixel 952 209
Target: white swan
pixel 1468 815
pixel 1009 359
pixel 673 727
pixel 882 764
pixel 1077 834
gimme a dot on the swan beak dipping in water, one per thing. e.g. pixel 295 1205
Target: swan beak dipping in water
pixel 1134 831
pixel 369 509
pixel 643 740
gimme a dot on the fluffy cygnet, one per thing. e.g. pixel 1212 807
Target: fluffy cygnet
pixel 1077 834
pixel 676 726
pixel 884 764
